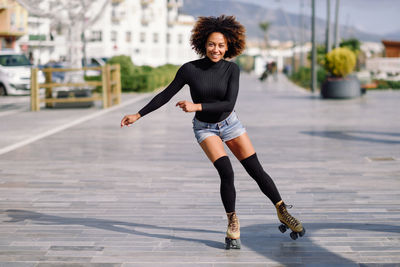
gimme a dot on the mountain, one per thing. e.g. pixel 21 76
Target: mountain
pixel 250 15
pixel 395 36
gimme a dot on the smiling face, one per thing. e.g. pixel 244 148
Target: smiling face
pixel 216 46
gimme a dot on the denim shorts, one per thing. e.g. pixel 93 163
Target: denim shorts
pixel 227 129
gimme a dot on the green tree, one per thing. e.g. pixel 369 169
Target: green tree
pixel 321 54
pixel 353 44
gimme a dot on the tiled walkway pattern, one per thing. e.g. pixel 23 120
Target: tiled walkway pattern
pixel 98 195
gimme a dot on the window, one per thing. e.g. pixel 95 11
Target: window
pixel 114 36
pixel 14 60
pixel 142 37
pixel 180 38
pixel 155 37
pixel 12 19
pixel 168 38
pixel 128 37
pixel 21 22
pixel 95 36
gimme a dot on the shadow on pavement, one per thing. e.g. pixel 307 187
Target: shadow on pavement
pixel 109 225
pixel 363 136
pixel 278 247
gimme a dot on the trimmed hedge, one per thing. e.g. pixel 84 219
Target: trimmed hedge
pixel 385 84
pixel 245 62
pixel 303 77
pixel 126 67
pixel 94 79
pixel 143 78
pixel 148 79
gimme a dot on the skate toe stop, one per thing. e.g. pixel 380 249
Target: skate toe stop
pixel 303 232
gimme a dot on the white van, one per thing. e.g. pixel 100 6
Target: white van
pixel 15 74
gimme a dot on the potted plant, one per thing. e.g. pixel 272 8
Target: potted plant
pixel 340 63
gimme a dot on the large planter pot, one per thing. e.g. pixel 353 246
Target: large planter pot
pixel 341 88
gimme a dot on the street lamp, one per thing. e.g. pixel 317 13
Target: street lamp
pixel 337 23
pixel 328 27
pixel 314 49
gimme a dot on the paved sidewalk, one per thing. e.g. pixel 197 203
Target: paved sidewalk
pixel 19 126
pixel 92 194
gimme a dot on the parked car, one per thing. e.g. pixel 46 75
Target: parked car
pixel 15 73
pixel 57 77
pixel 94 62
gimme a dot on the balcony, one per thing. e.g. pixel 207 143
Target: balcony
pixel 147 16
pixel 146 2
pixel 37 37
pixel 145 20
pixel 174 3
pixel 117 15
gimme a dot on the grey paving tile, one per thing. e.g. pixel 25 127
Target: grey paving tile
pixel 17 264
pixel 167 264
pixel 96 195
pixel 63 264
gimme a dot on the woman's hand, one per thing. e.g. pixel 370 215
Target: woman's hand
pixel 129 119
pixel 188 106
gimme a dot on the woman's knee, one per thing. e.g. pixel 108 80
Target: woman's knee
pixel 224 168
pixel 252 165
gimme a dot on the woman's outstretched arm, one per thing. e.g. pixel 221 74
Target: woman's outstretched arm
pixel 159 100
pixel 129 119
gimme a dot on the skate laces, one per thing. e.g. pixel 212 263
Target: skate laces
pixel 233 223
pixel 289 219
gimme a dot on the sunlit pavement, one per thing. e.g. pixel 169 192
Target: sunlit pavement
pixel 85 192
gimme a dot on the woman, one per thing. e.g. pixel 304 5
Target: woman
pixel 214 86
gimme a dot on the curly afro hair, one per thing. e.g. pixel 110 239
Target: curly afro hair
pixel 233 31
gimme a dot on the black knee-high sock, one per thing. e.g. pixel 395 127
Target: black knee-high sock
pixel 264 181
pixel 227 189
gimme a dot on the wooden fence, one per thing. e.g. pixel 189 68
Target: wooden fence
pixel 110 87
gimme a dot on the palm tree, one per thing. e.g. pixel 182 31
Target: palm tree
pixel 264 26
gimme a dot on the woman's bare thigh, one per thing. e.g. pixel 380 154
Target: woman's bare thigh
pixel 213 147
pixel 241 146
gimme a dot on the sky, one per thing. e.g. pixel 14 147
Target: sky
pixel 373 16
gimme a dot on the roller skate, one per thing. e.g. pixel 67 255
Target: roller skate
pixel 232 239
pixel 288 221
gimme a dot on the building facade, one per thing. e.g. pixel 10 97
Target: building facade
pixel 392 48
pixel 152 32
pixel 13 23
pixel 39 43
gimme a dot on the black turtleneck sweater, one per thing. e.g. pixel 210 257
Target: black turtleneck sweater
pixel 213 85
